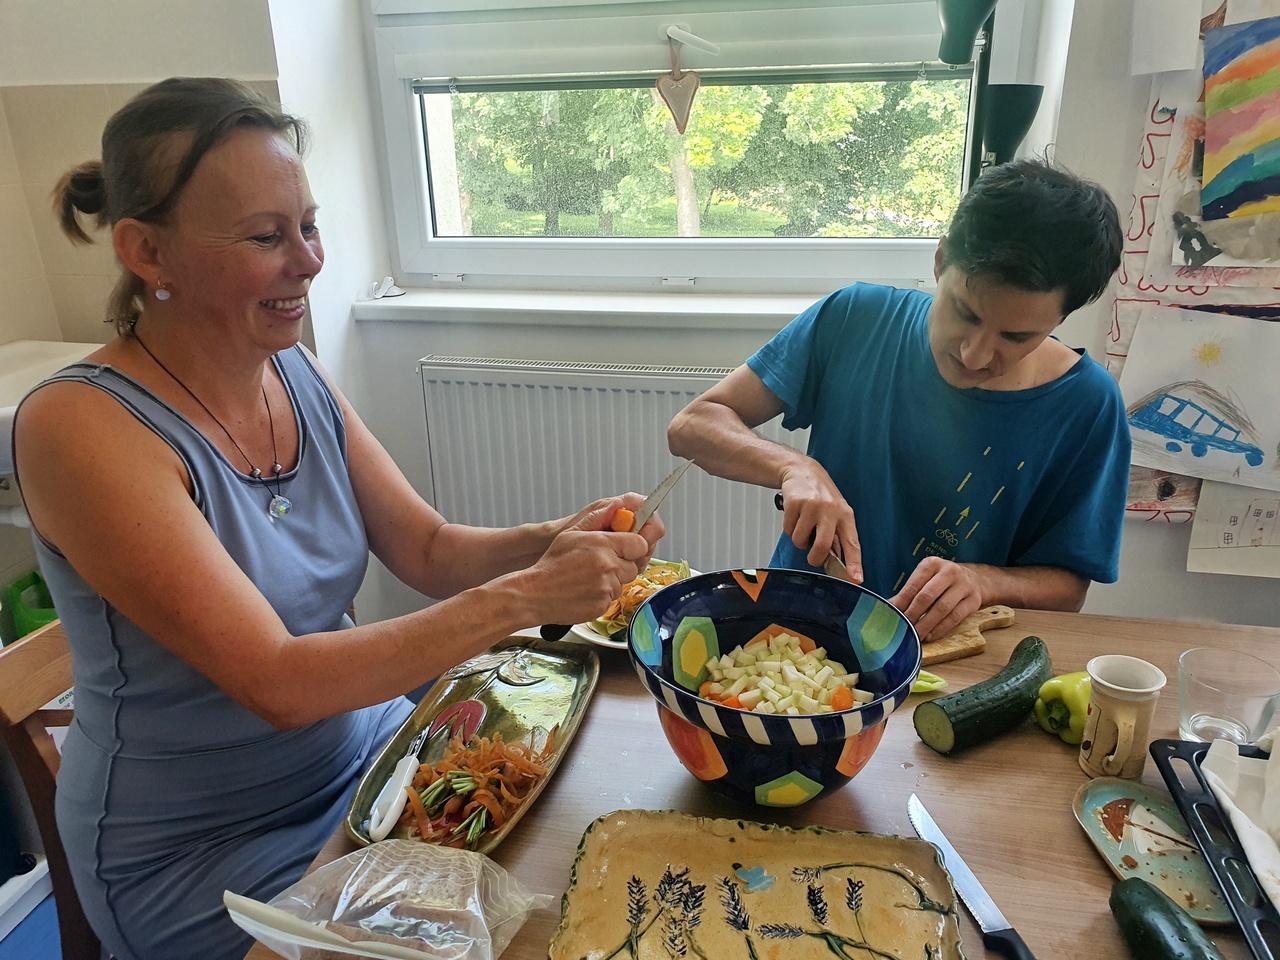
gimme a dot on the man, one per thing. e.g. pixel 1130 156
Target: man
pixel 988 462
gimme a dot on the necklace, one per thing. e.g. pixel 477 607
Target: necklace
pixel 280 505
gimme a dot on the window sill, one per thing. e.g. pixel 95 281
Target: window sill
pixel 542 308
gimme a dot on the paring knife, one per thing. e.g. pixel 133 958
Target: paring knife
pixel 554 631
pixel 997 933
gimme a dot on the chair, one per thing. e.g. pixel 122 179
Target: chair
pixel 33 671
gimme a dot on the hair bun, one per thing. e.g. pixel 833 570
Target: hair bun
pixel 86 189
pixel 82 189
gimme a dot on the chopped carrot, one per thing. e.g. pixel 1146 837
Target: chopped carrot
pixel 419 813
pixel 841 698
pixel 733 702
pixel 704 691
pixel 502 774
pixel 623 521
pixel 490 803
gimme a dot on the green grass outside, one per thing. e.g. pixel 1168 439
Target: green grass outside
pixel 729 219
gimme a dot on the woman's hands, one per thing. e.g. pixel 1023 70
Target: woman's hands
pixel 818 519
pixel 587 564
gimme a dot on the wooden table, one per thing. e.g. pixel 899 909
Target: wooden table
pixel 1005 805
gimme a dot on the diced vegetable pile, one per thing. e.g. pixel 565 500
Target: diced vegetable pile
pixel 784 674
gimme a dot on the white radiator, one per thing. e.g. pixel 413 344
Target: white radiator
pixel 519 440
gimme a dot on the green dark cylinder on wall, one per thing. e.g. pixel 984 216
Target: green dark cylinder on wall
pixel 1010 110
pixel 961 21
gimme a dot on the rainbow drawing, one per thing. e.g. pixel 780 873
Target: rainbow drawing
pixel 1242 120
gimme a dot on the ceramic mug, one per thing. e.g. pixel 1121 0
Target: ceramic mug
pixel 1125 690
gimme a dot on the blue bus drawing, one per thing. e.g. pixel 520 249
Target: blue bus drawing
pixel 1180 421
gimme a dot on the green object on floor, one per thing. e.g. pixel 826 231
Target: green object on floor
pixel 28 600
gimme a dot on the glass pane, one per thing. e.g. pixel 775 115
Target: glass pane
pixel 829 159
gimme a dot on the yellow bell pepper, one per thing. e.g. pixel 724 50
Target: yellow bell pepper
pixel 1063 705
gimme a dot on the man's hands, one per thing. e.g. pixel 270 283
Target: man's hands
pixel 818 519
pixel 938 595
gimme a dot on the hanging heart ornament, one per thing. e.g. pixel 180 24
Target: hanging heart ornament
pixel 678 94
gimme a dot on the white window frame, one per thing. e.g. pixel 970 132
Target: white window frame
pixel 421 259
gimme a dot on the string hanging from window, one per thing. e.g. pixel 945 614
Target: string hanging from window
pixel 678 87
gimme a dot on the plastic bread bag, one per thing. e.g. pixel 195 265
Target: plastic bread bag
pixel 394 899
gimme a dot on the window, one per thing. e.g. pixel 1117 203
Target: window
pixel 830 158
pixel 528 145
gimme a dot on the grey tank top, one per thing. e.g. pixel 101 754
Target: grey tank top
pixel 134 697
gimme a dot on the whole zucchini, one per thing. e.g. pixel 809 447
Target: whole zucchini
pixel 1154 927
pixel 989 708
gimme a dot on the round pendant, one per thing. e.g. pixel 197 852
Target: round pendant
pixel 279 506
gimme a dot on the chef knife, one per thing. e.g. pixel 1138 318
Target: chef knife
pixel 997 933
pixel 554 631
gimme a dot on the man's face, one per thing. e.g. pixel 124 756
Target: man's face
pixel 981 331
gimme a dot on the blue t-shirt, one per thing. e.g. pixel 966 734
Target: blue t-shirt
pixel 1009 478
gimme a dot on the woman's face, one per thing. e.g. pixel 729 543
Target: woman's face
pixel 243 245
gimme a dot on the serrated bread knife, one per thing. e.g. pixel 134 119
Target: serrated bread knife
pixel 554 631
pixel 997 933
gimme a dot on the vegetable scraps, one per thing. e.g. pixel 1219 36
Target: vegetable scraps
pixel 926 682
pixel 660 573
pixel 783 673
pixel 1062 706
pixel 476 787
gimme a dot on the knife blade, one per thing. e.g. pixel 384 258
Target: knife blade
pixel 997 932
pixel 554 631
pixel 659 494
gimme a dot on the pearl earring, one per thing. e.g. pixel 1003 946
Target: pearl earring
pixel 162 293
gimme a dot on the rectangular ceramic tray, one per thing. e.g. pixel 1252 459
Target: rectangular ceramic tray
pixel 652 885
pixel 1212 830
pixel 528 688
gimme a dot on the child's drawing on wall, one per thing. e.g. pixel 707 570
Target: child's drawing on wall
pixel 1203 396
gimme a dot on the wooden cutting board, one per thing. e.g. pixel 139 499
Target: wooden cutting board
pixel 967 639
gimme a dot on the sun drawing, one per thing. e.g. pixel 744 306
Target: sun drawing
pixel 1208 353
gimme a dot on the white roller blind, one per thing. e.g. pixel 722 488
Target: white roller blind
pixel 462 39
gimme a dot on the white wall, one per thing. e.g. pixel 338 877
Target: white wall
pixel 324 78
pixel 1098 136
pixel 124 41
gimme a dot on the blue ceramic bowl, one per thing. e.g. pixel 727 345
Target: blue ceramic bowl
pixel 777 761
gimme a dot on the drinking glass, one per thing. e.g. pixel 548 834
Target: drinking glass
pixel 1225 694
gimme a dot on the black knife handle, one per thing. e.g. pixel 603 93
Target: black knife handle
pixel 1009 944
pixel 553 631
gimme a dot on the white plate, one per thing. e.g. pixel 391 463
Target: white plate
pixel 584 631
pixel 588 633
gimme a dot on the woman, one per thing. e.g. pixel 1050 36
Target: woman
pixel 204 536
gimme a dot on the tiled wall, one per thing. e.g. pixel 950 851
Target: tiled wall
pixel 51 289
pixel 28 314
